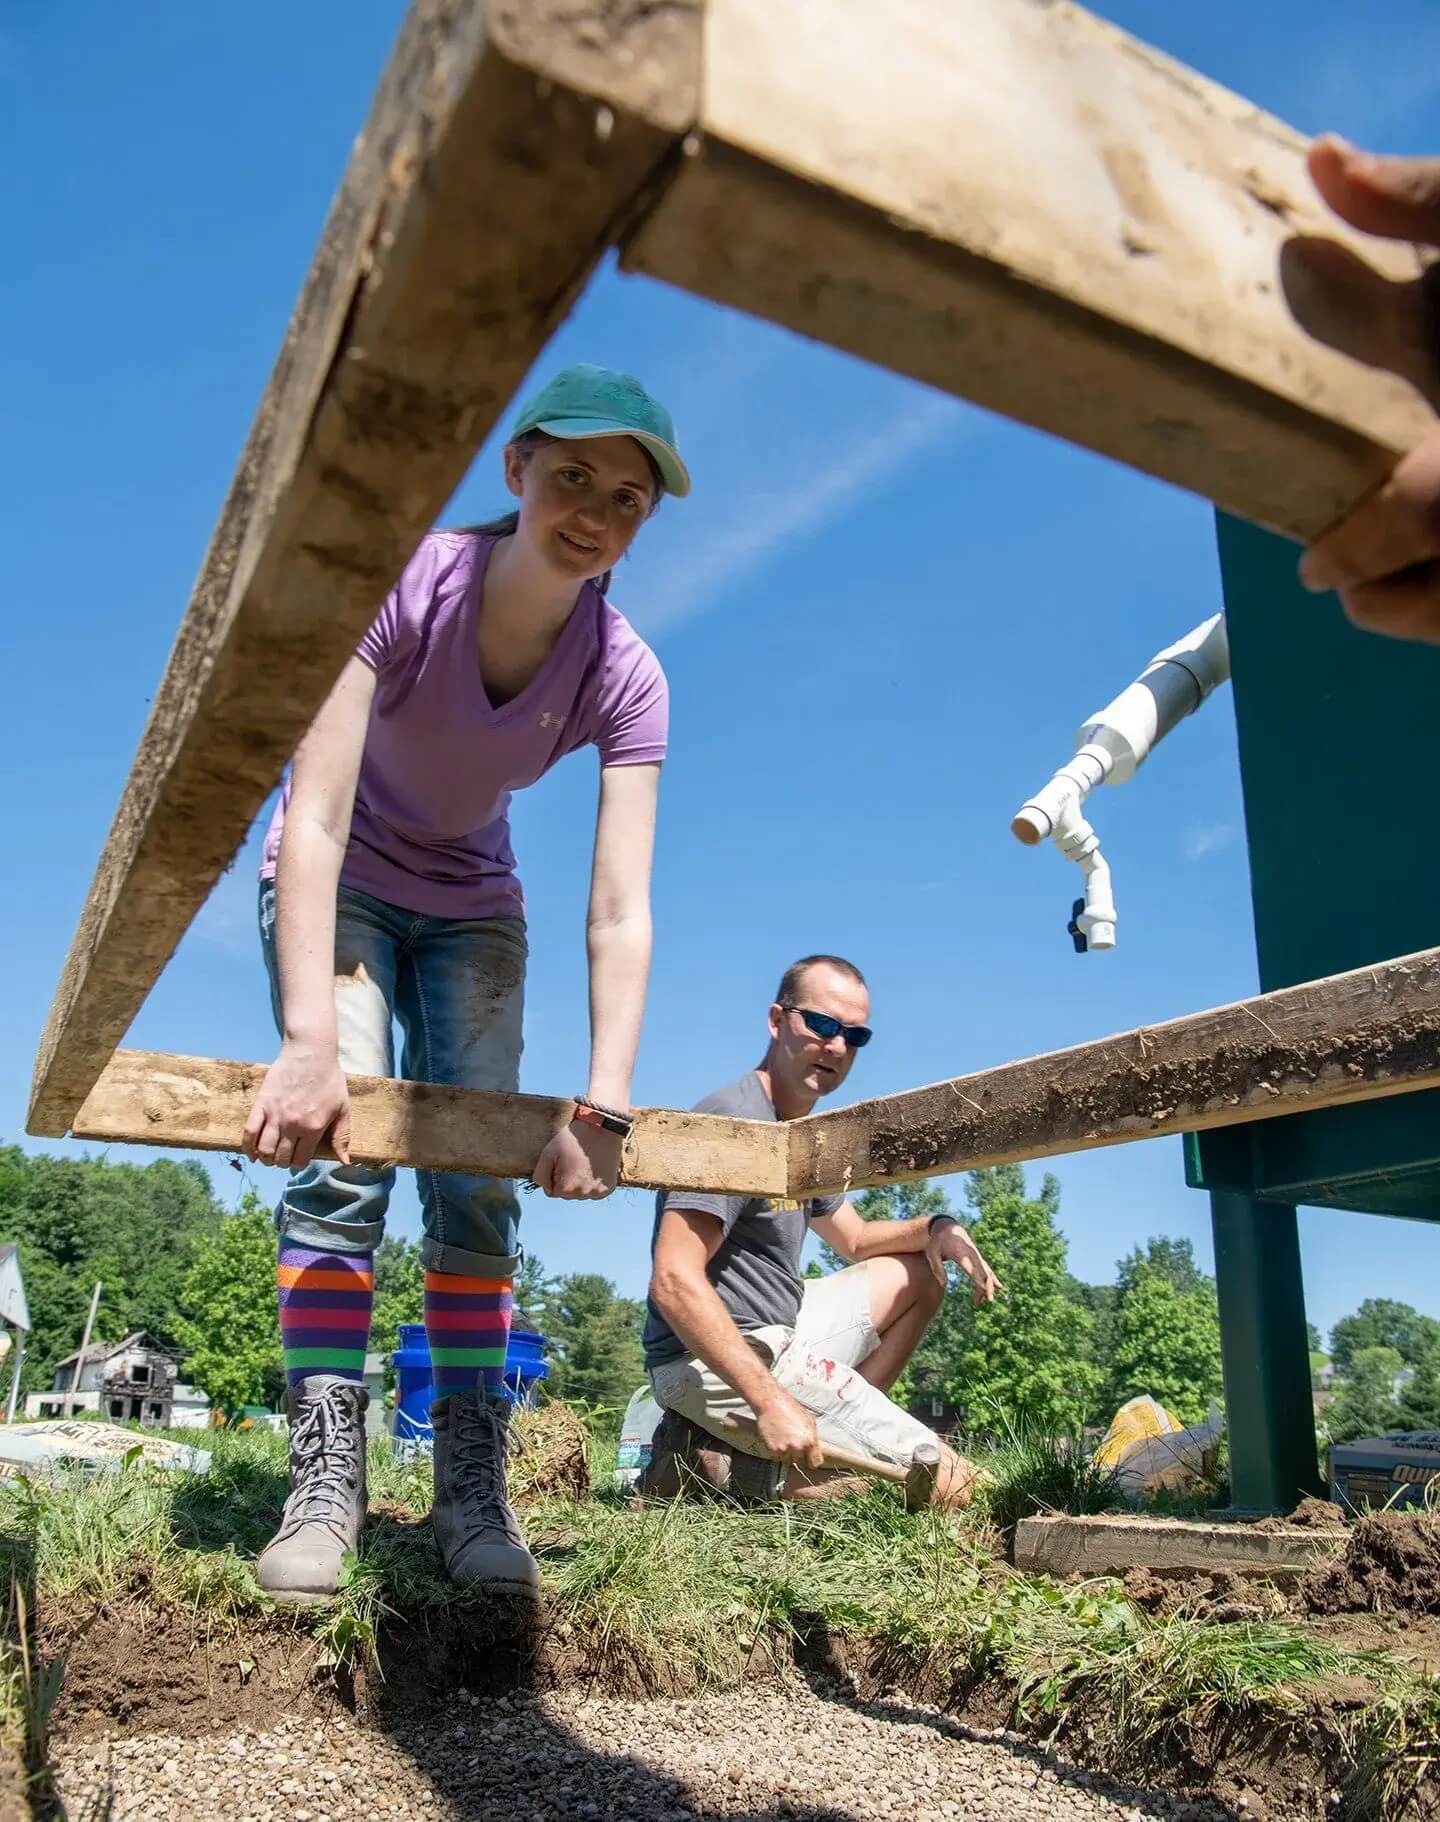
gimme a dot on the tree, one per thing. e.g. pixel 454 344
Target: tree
pixel 399 1297
pixel 1099 1302
pixel 133 1227
pixel 1420 1397
pixel 533 1291
pixel 227 1323
pixel 1382 1323
pixel 1315 1344
pixel 595 1352
pixel 1165 1342
pixel 1024 1355
pixel 1365 1404
pixel 1172 1257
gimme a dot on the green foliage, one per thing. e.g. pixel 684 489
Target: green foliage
pixel 1168 1257
pixel 1034 1471
pixel 134 1227
pixel 1365 1403
pixel 1382 1323
pixel 595 1354
pixel 227 1323
pixel 1165 1341
pixel 399 1297
pixel 1025 1354
pixel 1420 1396
pixel 532 1295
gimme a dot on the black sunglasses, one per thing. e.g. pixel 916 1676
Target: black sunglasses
pixel 823 1026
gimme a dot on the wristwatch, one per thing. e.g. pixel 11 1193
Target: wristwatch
pixel 603 1119
pixel 936 1219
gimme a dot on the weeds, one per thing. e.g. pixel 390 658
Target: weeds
pixel 1034 1471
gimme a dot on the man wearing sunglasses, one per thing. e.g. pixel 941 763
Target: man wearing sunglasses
pixel 774 1365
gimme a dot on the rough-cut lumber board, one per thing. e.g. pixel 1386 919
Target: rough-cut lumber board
pixel 508 146
pixel 1350 1037
pixel 151 1098
pixel 1019 203
pixel 1110 1546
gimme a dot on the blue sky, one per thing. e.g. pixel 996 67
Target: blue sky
pixel 882 612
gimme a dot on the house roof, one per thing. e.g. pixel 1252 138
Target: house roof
pixel 107 1350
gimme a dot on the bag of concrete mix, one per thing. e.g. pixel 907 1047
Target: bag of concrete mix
pixel 1151 1450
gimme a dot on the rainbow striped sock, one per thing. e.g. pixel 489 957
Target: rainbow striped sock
pixel 467 1323
pixel 325 1301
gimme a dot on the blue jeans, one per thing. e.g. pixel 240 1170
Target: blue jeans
pixel 457 987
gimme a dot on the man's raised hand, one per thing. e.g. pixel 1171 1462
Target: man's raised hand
pixel 950 1240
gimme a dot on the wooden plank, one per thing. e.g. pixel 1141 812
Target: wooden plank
pixel 1022 205
pixel 1111 1546
pixel 1350 1037
pixel 508 146
pixel 152 1098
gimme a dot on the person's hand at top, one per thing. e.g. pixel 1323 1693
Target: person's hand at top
pixel 950 1241
pixel 1383 558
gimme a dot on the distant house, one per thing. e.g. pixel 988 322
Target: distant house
pixel 133 1379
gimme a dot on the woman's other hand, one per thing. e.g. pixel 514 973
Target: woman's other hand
pixel 304 1096
pixel 580 1163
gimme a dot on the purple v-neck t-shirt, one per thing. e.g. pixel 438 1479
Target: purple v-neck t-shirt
pixel 430 831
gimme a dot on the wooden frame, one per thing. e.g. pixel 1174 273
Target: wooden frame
pixel 1017 203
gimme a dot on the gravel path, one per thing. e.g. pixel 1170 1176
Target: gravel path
pixel 763 1752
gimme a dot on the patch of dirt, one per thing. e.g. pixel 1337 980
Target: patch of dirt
pixel 1391 1564
pixel 1310 1515
pixel 14 1788
pixel 133 1673
pixel 1413 1638
pixel 553 1458
pixel 1318 1515
pixel 134 1668
pixel 1222 1597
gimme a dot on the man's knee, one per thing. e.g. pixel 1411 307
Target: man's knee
pixel 928 1291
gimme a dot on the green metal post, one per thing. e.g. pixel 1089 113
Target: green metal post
pixel 1266 1354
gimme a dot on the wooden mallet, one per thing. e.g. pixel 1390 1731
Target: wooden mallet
pixel 918 1479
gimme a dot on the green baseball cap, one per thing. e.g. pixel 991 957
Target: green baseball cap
pixel 587 401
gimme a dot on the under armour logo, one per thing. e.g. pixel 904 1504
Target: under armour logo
pixel 549 720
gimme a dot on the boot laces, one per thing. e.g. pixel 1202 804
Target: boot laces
pixel 482 1442
pixel 323 1468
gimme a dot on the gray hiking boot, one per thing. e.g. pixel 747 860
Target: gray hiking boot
pixel 326 1507
pixel 479 1536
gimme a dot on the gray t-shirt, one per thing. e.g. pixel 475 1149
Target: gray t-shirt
pixel 756 1267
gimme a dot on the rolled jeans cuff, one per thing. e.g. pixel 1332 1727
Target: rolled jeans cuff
pixel 437 1256
pixel 325 1235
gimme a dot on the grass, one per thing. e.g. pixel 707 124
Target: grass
pixel 684 1596
pixel 1034 1472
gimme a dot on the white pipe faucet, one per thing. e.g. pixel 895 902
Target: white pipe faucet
pixel 1109 748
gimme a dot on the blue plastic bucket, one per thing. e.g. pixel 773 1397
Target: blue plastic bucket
pixel 525 1368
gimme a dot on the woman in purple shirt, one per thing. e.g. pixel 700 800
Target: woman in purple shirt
pixel 388 894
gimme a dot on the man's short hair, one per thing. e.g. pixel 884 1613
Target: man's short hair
pixel 791 978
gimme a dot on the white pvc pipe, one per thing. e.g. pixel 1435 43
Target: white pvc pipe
pixel 1077 841
pixel 1109 748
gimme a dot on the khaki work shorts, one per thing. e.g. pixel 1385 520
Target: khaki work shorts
pixel 815 1363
